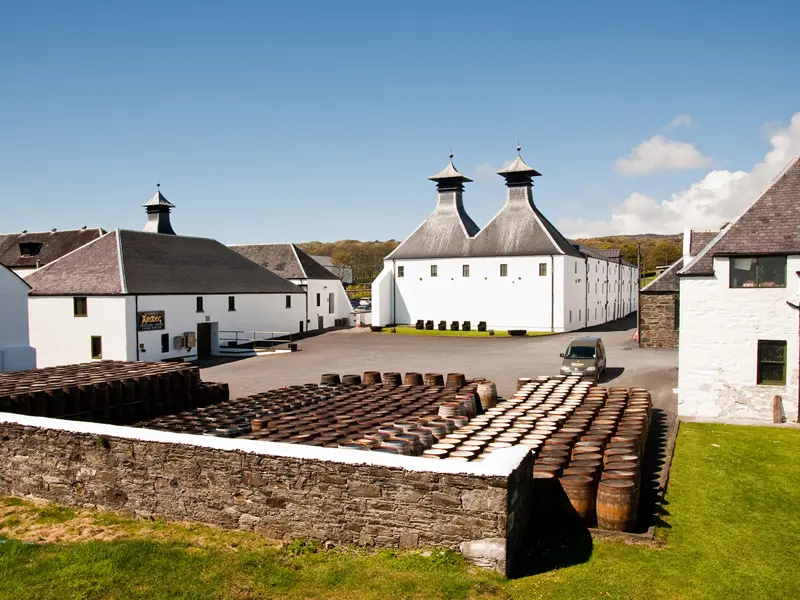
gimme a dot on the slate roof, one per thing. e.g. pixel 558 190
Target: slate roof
pixel 600 253
pixel 55 244
pixel 137 262
pixel 770 226
pixel 158 199
pixel 700 239
pixel 667 281
pixel 447 230
pixel 520 229
pixel 287 260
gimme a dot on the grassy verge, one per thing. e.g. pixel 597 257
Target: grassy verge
pixel 411 330
pixel 732 532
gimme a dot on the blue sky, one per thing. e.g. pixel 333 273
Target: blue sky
pixel 279 122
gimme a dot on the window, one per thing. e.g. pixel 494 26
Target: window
pixel 288 302
pixel 330 303
pixel 579 315
pixel 231 303
pixel 570 316
pixel 199 304
pixel 164 343
pixel 319 299
pixel 79 308
pixel 97 346
pixel 595 312
pixel 677 312
pixel 771 362
pixel 576 268
pixel 764 271
pixel 401 271
pixel 28 249
pixel 595 287
pixel 465 270
pixel 300 326
pixel 542 269
pixel 503 270
pixel 434 271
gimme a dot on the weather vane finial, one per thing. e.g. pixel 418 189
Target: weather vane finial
pixel 451 154
pixel 518 146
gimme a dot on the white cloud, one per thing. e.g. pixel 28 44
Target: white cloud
pixel 660 154
pixel 487 170
pixel 484 170
pixel 682 120
pixel 720 197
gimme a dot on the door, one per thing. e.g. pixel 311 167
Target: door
pixel 203 340
pixel 320 322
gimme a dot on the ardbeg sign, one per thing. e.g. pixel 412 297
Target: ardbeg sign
pixel 151 320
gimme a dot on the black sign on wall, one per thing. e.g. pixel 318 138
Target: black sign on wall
pixel 151 320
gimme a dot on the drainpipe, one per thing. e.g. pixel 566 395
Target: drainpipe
pixel 394 292
pixel 552 296
pixel 136 324
pixel 586 295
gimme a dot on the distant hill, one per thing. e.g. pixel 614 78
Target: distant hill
pixel 366 258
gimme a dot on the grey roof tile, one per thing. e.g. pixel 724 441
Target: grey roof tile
pixel 138 262
pixel 55 244
pixel 770 226
pixel 287 260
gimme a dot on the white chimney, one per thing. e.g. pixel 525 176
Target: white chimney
pixel 687 245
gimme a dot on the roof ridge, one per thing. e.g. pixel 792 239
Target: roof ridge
pixel 122 279
pixel 97 239
pixel 299 262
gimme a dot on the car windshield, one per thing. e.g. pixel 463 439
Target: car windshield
pixel 580 352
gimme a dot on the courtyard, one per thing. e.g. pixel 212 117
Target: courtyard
pixel 501 360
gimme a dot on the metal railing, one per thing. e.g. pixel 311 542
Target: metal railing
pixel 253 340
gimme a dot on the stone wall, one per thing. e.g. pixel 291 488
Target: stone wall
pixel 280 497
pixel 658 321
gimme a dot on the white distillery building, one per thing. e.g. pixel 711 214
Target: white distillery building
pixel 143 295
pixel 739 317
pixel 327 304
pixel 16 353
pixel 518 272
pixel 27 251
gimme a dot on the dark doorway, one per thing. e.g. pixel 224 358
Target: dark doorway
pixel 203 340
pixel 320 322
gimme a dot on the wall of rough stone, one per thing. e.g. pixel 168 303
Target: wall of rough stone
pixel 281 497
pixel 658 321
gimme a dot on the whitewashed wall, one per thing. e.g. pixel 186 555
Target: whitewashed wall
pixel 16 353
pixel 61 338
pixel 382 300
pixel 324 287
pixel 520 300
pixel 254 313
pixel 719 332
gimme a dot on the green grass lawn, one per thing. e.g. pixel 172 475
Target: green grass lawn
pixel 733 532
pixel 411 330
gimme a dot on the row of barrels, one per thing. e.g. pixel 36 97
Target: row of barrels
pixel 486 390
pixel 107 391
pixel 327 415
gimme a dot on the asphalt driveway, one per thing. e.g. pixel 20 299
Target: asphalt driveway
pixel 501 360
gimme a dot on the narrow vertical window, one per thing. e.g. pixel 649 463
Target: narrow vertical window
pixel 231 303
pixel 542 269
pixel 570 316
pixel 331 304
pixel 97 346
pixel 288 302
pixel 434 271
pixel 503 270
pixel 465 270
pixel 401 271
pixel 319 299
pixel 199 304
pixel 677 312
pixel 164 343
pixel 579 315
pixel 79 307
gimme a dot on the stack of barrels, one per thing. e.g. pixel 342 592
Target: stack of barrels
pixel 342 411
pixel 113 392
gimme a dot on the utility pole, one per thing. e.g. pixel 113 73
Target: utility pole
pixel 638 294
